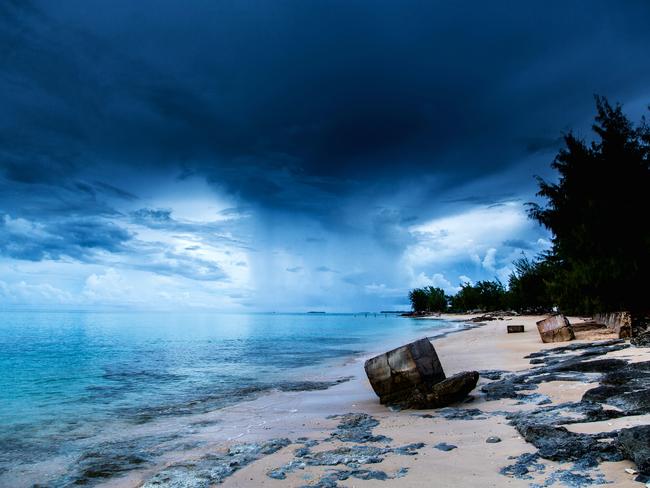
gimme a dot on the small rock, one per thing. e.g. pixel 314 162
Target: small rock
pixel 631 471
pixel 493 439
pixel 443 446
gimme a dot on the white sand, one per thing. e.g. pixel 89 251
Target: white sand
pixel 474 462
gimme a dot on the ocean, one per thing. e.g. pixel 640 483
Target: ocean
pixel 80 392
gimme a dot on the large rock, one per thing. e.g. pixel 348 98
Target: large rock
pixel 640 330
pixel 555 329
pixel 411 376
pixel 396 373
pixel 641 340
pixel 635 443
pixel 619 322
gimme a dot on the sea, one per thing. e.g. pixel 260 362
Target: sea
pixel 78 389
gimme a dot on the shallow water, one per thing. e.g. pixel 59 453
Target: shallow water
pixel 78 389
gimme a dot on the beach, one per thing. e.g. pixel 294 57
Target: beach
pixel 378 446
pixel 325 427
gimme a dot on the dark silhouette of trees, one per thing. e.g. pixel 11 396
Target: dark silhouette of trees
pixel 419 300
pixel 598 215
pixel 428 299
pixel 437 299
pixel 598 212
pixel 528 285
pixel 484 295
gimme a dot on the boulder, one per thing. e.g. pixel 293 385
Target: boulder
pixel 641 340
pixel 411 376
pixel 395 373
pixel 555 329
pixel 635 444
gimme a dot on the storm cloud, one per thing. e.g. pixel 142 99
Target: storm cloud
pixel 281 135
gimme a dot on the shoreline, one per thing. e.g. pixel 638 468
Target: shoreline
pixel 293 437
pixel 307 422
pixel 290 414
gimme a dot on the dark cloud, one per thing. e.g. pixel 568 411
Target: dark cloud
pixel 294 269
pixel 324 126
pixel 389 228
pixel 115 191
pixel 518 244
pixel 274 108
pixel 78 239
pixel 153 217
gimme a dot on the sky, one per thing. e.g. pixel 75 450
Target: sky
pixel 289 155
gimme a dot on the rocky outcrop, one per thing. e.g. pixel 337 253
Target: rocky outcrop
pixel 555 329
pixel 641 340
pixel 411 376
pixel 635 443
pixel 640 330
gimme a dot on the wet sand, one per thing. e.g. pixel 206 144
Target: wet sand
pixel 398 458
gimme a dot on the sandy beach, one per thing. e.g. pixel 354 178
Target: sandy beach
pixel 378 446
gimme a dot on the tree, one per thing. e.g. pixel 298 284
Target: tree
pixel 598 214
pixel 428 299
pixel 484 295
pixel 437 301
pixel 528 285
pixel 419 300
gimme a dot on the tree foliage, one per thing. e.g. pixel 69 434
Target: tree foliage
pixel 428 299
pixel 598 214
pixel 528 285
pixel 484 295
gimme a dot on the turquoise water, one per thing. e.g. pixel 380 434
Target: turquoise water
pixel 69 378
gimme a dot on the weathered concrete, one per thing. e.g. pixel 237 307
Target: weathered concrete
pixel 513 329
pixel 619 322
pixel 555 329
pixel 411 376
pixel 395 373
pixel 450 390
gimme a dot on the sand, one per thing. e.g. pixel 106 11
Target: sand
pixel 473 463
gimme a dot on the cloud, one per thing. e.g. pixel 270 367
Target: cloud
pixel 465 279
pixel 57 239
pixel 310 145
pixel 465 235
pixel 383 291
pixel 34 294
pixel 325 269
pixel 152 217
pixel 369 101
pixel 518 244
pixel 437 280
pixel 490 259
pixel 108 287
